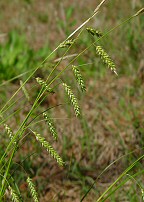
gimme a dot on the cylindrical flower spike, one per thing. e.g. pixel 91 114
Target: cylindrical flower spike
pixel 14 195
pixel 67 43
pixel 32 189
pixel 44 84
pixel 49 148
pixel 79 78
pixel 51 126
pixel 72 98
pixel 106 58
pixel 94 32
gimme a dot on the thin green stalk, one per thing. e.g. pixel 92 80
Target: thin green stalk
pixel 63 55
pixel 18 100
pixel 121 184
pixel 21 129
pixel 120 177
pixel 7 171
pixel 43 90
pixel 58 75
pixel 16 77
pixel 104 172
pixel 40 65
pixel 11 115
pixel 11 142
pixel 29 113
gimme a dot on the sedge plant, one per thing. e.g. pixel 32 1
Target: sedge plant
pixel 8 187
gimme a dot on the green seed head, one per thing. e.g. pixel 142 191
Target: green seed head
pixel 106 58
pixel 94 32
pixel 72 98
pixel 79 78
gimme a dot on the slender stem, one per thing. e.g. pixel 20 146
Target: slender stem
pixel 7 171
pixel 32 75
pixel 40 65
pixel 119 178
pixel 58 75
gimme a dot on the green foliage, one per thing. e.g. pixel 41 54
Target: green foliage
pixel 68 22
pixel 16 56
pixel 43 17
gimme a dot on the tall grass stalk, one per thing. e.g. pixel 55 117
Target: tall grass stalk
pixel 102 198
pixel 17 136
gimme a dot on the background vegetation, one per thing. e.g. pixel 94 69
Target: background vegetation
pixel 112 122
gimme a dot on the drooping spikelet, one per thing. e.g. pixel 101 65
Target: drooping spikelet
pixel 79 78
pixel 14 195
pixel 32 189
pixel 25 91
pixel 51 126
pixel 72 98
pixel 106 58
pixel 49 148
pixel 9 132
pixel 44 84
pixel 94 32
pixel 67 43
